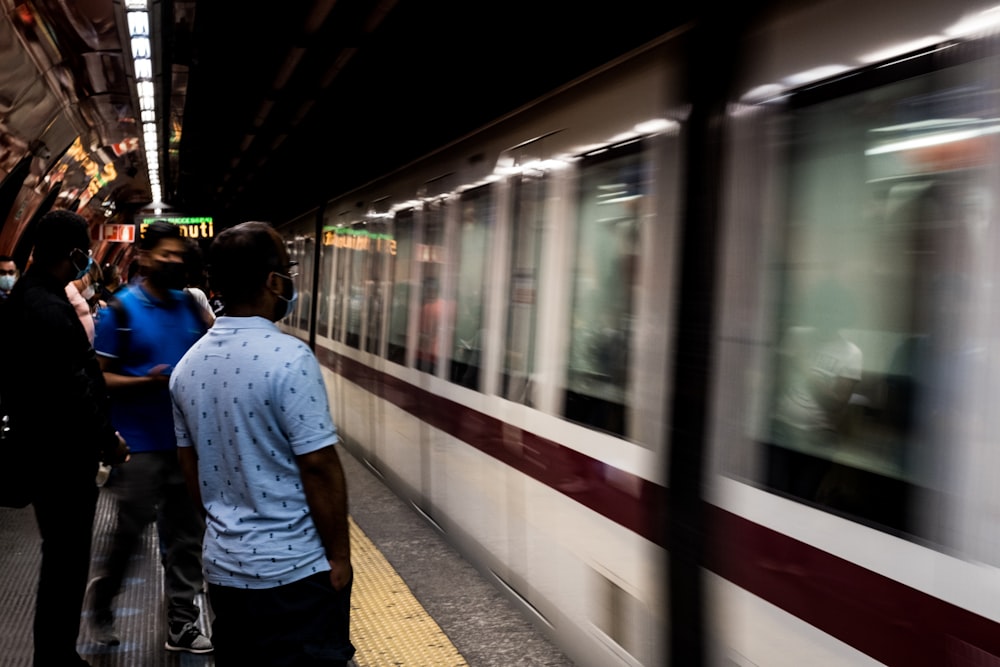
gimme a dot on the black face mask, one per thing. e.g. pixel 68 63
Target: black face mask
pixel 168 275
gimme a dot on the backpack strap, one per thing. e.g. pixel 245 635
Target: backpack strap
pixel 122 325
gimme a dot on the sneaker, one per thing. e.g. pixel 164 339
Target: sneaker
pixel 188 638
pixel 103 472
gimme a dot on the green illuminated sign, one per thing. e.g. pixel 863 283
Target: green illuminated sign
pixel 193 228
pixel 358 239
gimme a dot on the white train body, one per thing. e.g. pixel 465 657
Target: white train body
pixel 500 327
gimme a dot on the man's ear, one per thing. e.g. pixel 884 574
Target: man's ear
pixel 273 282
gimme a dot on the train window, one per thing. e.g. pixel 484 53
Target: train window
pixel 433 306
pixel 342 257
pixel 359 260
pixel 879 346
pixel 605 274
pixel 400 263
pixel 378 251
pixel 475 225
pixel 525 259
pixel 306 259
pixel 324 292
pixel 294 248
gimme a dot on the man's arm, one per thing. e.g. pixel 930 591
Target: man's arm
pixel 326 494
pixel 117 382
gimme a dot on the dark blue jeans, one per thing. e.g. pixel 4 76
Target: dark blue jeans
pixel 302 624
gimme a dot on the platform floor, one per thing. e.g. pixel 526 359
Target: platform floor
pixel 416 602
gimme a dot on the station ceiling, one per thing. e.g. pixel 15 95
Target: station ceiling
pixel 267 110
pixel 279 109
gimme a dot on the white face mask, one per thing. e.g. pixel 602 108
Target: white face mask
pixel 88 293
pixel 7 282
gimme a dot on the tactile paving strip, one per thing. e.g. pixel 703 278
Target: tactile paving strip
pixel 389 627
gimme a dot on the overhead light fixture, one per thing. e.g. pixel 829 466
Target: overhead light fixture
pixel 137 14
pixel 985 21
pixel 935 139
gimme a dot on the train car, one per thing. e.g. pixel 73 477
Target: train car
pixel 515 330
pixel 853 446
pixel 454 296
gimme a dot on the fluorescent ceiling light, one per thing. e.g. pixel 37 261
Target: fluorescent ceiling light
pixel 932 124
pixel 932 140
pixel 984 21
pixel 901 49
pixel 815 74
pixel 656 125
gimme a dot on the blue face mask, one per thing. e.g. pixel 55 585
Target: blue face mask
pixel 7 282
pixel 80 273
pixel 289 300
pixel 290 303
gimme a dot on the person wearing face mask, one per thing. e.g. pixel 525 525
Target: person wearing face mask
pixel 54 387
pixel 8 275
pixel 81 294
pixel 137 358
pixel 264 469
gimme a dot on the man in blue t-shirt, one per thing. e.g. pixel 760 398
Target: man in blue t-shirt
pixel 257 446
pixel 138 342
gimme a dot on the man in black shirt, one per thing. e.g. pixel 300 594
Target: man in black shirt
pixel 54 386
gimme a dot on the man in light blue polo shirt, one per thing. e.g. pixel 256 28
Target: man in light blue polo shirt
pixel 257 446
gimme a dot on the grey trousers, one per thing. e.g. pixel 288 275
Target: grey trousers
pixel 150 486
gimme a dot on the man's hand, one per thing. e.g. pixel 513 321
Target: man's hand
pixel 160 374
pixel 340 572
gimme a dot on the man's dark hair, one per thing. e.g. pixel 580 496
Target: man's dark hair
pixel 6 258
pixel 156 232
pixel 58 233
pixel 240 259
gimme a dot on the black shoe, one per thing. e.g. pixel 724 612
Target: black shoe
pixel 104 633
pixel 101 617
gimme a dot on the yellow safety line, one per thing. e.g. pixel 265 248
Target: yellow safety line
pixel 389 627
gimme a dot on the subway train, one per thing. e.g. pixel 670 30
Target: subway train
pixel 691 355
pixel 694 356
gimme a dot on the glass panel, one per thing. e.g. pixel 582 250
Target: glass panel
pixel 398 316
pixel 474 228
pixel 525 257
pixel 325 290
pixel 357 239
pixel 430 255
pixel 878 359
pixel 304 280
pixel 611 190
pixel 342 255
pixel 380 247
pixel 294 250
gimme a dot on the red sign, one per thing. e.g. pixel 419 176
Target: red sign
pixel 127 145
pixel 113 232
